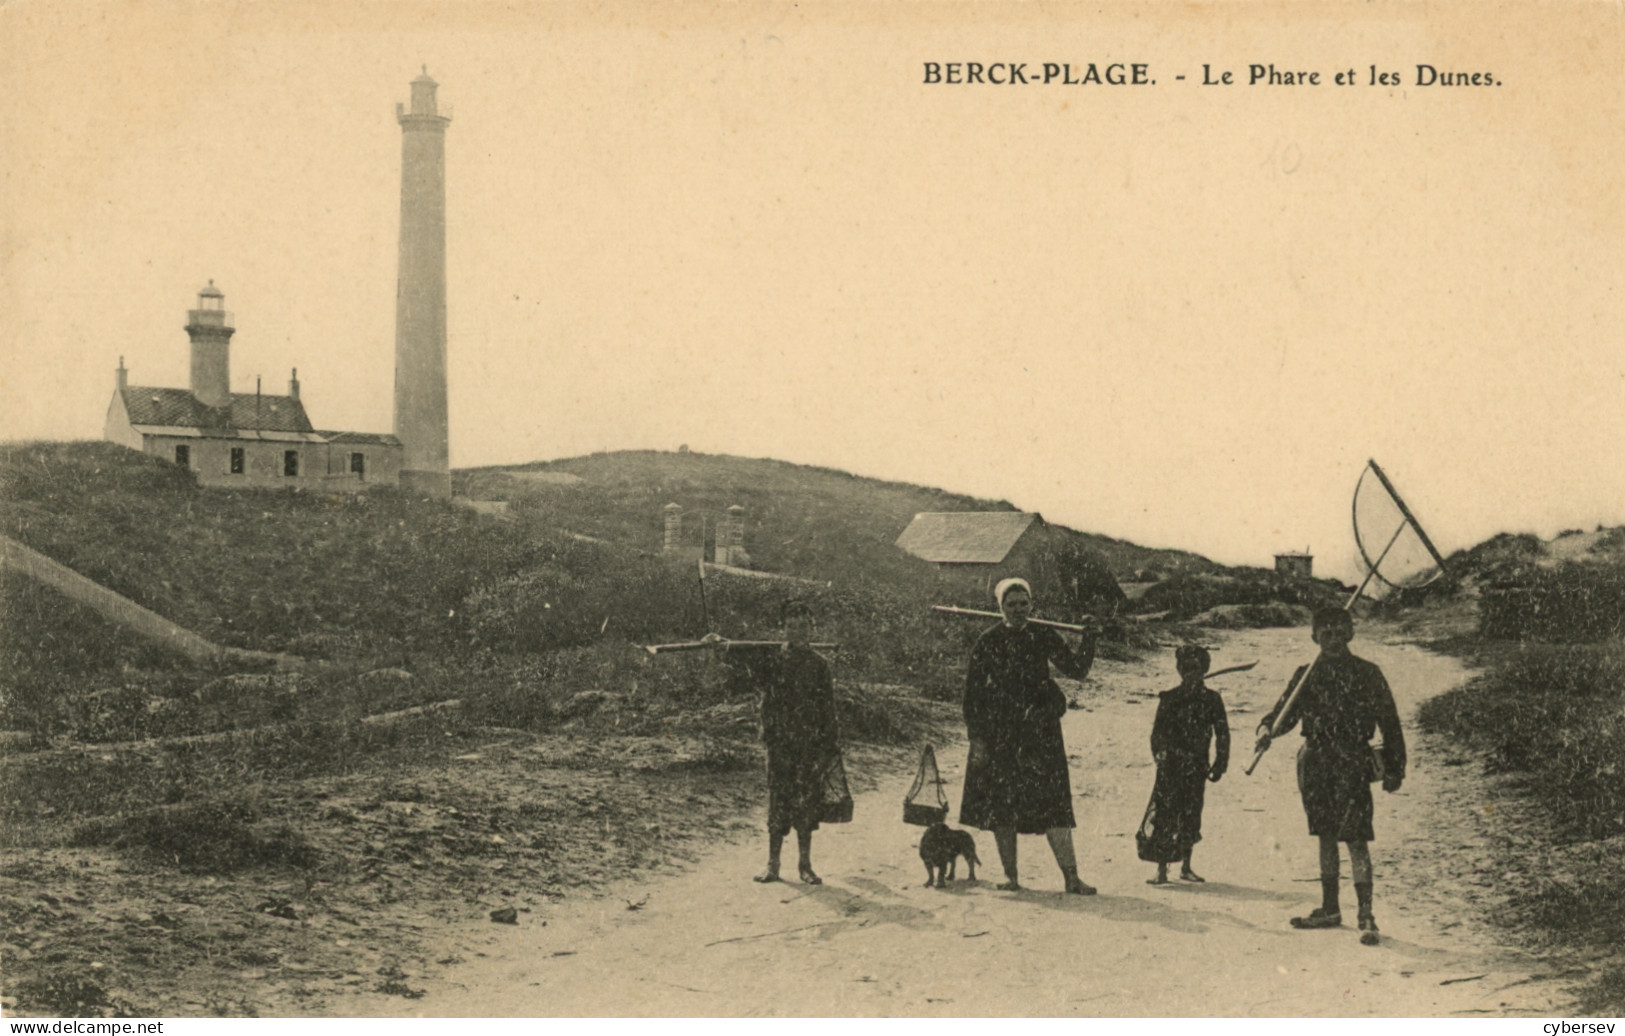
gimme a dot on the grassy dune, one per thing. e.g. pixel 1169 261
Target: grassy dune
pixel 814 522
pixel 1553 713
pixel 475 722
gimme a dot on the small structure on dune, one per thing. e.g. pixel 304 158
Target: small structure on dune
pixel 1296 564
pixel 976 549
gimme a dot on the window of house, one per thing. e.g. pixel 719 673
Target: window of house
pixel 236 460
pixel 290 463
pixel 358 465
pixel 183 456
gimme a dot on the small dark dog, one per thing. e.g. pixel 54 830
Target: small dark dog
pixel 940 848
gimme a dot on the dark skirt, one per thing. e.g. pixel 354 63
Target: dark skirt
pixel 1173 820
pixel 1334 783
pixel 805 789
pixel 1021 784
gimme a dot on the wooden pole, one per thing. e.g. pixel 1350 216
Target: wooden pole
pixel 697 645
pixel 705 609
pixel 1406 511
pixel 973 613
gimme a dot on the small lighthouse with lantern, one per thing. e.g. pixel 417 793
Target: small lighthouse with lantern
pixel 242 439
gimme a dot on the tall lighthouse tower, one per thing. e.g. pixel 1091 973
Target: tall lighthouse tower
pixel 420 296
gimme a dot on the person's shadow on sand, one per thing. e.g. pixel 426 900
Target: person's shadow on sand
pixel 1132 909
pixel 865 907
pixel 1224 890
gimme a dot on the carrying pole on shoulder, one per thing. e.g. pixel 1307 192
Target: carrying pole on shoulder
pixel 973 613
pixel 699 645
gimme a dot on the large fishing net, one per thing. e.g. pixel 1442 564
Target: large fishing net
pixel 1392 545
pixel 1397 554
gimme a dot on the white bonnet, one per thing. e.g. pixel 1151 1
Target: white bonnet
pixel 1006 585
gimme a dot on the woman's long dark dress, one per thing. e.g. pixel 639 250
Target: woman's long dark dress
pixel 1017 776
pixel 1188 719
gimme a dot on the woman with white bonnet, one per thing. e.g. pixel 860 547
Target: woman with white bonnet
pixel 1016 780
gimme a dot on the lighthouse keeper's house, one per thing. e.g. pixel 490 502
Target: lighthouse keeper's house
pixel 242 439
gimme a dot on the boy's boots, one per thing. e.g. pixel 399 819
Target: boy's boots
pixel 1368 921
pixel 1329 914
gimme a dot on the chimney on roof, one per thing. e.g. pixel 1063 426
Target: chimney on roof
pixel 209 326
pixel 123 375
pixel 293 384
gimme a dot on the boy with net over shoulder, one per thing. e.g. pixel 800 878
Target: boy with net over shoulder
pixel 1344 702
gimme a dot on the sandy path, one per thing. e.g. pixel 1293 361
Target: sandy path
pixel 873 941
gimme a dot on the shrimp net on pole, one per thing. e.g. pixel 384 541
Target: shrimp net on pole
pixel 1397 554
pixel 1394 548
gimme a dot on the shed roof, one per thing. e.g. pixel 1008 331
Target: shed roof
pixel 975 537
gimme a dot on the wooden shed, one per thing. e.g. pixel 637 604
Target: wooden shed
pixel 973 550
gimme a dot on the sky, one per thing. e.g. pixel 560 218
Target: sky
pixel 1179 314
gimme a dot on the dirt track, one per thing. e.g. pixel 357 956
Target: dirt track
pixel 873 941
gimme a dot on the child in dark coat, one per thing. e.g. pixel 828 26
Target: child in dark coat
pixel 1344 702
pixel 806 777
pixel 1189 717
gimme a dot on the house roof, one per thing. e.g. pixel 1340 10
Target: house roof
pixel 975 537
pixel 189 432
pixel 172 407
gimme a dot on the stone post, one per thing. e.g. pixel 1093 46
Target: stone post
pixel 674 527
pixel 731 541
